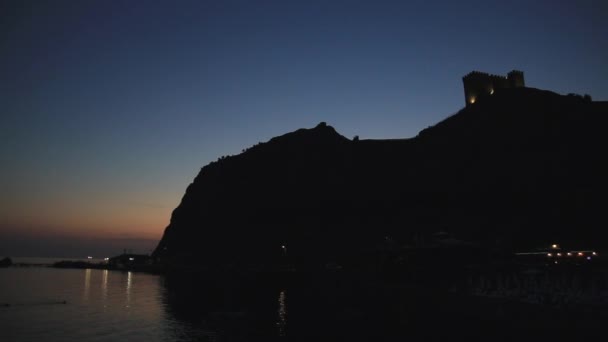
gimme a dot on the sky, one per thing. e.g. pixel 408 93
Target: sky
pixel 108 109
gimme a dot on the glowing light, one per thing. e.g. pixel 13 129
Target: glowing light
pixel 131 259
pixel 569 254
pixel 588 258
pixel 549 255
pixel 559 254
pixel 106 259
pixel 554 246
pixel 472 99
pixel 593 253
pixel 89 257
pixel 580 253
pixel 491 91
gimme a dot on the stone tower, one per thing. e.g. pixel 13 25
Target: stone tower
pixel 478 84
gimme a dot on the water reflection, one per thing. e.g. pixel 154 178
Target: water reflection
pixel 87 284
pixel 186 304
pixel 104 287
pixel 282 319
pixel 54 305
pixel 104 282
pixel 59 305
pixel 200 308
pixel 129 284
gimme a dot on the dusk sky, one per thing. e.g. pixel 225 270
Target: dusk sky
pixel 110 108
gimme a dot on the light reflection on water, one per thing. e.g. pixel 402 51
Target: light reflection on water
pixel 99 304
pixel 104 287
pixel 282 319
pixel 129 280
pixel 105 305
pixel 87 284
pixel 39 303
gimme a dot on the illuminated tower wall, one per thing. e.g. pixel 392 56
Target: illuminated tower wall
pixel 478 84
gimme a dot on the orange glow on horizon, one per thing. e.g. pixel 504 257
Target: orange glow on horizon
pixel 93 219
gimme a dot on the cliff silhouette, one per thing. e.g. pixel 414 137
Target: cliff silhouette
pixel 520 168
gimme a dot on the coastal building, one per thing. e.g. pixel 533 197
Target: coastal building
pixel 478 84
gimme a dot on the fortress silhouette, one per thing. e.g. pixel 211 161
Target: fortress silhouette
pixel 478 84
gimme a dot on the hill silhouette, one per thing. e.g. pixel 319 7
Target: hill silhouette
pixel 520 168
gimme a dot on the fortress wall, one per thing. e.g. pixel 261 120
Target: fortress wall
pixel 478 84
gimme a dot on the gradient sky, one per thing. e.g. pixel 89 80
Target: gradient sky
pixel 108 109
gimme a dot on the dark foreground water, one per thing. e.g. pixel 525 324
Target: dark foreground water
pixel 46 304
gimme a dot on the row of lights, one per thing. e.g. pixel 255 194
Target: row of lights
pixel 104 259
pixel 578 253
pixel 570 254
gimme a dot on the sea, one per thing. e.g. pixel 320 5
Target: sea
pixel 42 303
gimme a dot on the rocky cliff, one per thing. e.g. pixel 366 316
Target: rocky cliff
pixel 519 168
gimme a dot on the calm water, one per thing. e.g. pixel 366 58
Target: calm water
pixel 46 304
